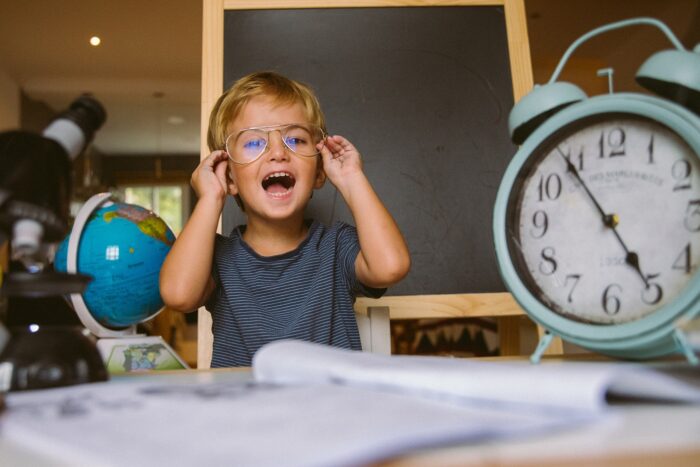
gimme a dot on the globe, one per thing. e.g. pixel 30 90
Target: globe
pixel 122 246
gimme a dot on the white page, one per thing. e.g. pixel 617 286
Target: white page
pixel 577 386
pixel 160 422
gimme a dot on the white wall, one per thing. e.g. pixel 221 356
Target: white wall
pixel 9 103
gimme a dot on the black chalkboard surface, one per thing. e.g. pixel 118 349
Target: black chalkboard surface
pixel 424 94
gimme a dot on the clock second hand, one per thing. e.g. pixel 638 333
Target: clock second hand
pixel 610 221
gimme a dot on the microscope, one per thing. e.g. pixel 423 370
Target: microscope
pixel 39 345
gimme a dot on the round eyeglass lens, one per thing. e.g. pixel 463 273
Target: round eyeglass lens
pixel 248 145
pixel 302 140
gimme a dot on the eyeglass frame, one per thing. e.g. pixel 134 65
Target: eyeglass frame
pixel 267 129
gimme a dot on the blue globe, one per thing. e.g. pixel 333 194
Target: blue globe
pixel 122 246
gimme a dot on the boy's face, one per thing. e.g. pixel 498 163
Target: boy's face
pixel 277 185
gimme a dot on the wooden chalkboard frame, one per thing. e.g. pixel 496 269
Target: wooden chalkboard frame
pixel 500 305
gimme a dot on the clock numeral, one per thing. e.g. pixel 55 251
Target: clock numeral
pixel 682 261
pixel 575 278
pixel 549 187
pixel 616 142
pixel 549 265
pixel 568 157
pixel 650 149
pixel 611 303
pixel 541 223
pixel 652 293
pixel 692 216
pixel 680 171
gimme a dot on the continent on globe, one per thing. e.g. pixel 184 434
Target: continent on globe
pixel 146 220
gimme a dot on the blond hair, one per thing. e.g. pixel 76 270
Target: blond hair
pixel 267 83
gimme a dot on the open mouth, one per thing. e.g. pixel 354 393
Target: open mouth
pixel 278 183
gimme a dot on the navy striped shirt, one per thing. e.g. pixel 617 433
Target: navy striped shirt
pixel 307 293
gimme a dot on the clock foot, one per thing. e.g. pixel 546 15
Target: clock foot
pixel 542 345
pixel 685 347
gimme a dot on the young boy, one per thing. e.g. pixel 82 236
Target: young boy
pixel 279 276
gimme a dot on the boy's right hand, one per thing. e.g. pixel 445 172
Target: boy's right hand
pixel 210 178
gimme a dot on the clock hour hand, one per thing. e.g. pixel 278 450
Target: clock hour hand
pixel 610 221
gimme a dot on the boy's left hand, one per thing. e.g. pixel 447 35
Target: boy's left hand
pixel 341 160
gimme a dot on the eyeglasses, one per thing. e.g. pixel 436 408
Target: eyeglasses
pixel 247 145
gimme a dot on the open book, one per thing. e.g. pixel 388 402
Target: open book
pixel 310 405
pixel 560 385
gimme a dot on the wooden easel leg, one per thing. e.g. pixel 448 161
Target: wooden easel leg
pixel 380 330
pixel 509 335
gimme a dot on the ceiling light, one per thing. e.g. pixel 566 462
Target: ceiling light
pixel 95 41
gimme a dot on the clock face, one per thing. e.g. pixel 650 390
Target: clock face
pixel 603 222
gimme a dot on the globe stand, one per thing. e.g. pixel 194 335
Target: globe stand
pixel 123 350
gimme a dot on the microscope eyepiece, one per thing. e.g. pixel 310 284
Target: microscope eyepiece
pixel 75 127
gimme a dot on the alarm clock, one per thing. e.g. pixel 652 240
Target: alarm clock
pixel 597 217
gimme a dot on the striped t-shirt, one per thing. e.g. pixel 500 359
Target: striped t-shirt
pixel 307 293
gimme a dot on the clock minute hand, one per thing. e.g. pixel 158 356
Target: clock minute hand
pixel 610 221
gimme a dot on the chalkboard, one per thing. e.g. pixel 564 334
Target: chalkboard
pixel 424 93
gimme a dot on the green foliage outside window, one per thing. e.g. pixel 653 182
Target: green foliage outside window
pixel 166 201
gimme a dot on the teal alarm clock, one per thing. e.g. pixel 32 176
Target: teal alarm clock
pixel 597 218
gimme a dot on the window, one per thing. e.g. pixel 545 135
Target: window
pixel 170 202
